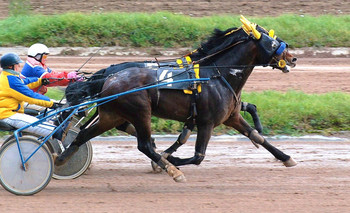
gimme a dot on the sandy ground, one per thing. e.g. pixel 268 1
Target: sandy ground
pixel 234 177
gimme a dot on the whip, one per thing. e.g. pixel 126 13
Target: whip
pixel 98 50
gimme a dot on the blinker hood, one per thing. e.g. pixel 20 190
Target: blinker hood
pixel 269 46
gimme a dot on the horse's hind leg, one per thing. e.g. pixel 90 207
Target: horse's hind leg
pixel 86 134
pixel 244 128
pixel 130 129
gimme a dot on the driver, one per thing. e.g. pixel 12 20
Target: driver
pixel 14 91
pixel 35 66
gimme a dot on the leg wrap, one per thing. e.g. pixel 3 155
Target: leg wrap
pixel 256 137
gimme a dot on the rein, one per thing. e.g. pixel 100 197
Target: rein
pixel 218 52
pixel 150 84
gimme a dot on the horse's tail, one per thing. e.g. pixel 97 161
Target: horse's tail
pixel 78 92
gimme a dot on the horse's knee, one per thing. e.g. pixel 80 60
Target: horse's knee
pixel 198 158
pixel 144 148
pixel 256 137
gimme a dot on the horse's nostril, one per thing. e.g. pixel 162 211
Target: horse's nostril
pixel 294 60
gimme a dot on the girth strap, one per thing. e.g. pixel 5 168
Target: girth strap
pixel 191 120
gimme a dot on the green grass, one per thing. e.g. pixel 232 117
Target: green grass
pixel 289 113
pixel 163 29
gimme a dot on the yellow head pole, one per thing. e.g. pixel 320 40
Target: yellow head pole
pixel 249 27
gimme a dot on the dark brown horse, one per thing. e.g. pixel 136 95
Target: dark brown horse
pixel 227 58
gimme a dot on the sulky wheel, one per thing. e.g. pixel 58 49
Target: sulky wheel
pixel 76 166
pixel 38 169
pixel 78 163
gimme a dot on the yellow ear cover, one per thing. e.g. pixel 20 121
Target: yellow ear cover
pixel 249 27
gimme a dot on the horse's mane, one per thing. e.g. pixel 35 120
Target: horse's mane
pixel 219 41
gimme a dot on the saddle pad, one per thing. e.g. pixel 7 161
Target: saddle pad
pixel 169 74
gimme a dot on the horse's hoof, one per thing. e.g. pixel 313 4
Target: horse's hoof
pixel 54 156
pixel 180 179
pixel 176 174
pixel 66 155
pixel 290 162
pixel 156 168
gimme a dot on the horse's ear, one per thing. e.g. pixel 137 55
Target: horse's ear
pixel 249 27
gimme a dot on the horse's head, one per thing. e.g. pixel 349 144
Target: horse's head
pixel 272 50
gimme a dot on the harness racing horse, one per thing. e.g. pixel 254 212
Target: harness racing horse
pixel 78 92
pixel 227 58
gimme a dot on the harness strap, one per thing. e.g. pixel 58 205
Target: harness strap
pixel 220 51
pixel 225 81
pixel 193 107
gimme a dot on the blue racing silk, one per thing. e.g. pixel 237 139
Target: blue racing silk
pixel 33 68
pixel 14 91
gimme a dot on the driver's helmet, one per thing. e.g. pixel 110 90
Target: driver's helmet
pixel 10 59
pixel 38 50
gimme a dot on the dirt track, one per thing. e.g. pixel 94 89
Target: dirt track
pixel 234 177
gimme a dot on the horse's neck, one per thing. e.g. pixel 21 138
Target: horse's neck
pixel 236 73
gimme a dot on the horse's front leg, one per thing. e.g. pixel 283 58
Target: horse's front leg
pixel 251 109
pixel 181 140
pixel 244 128
pixel 203 136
